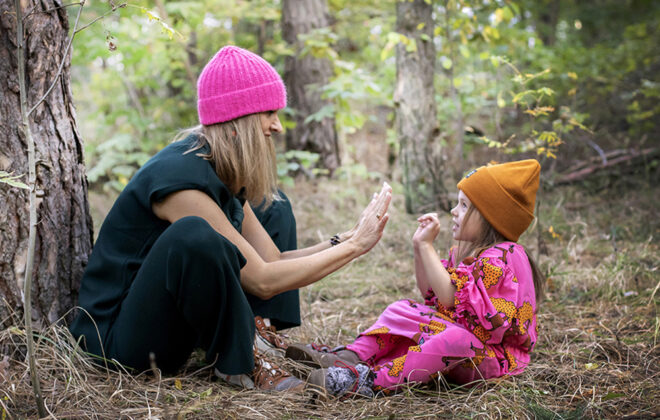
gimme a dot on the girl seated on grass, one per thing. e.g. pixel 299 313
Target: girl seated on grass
pixel 478 318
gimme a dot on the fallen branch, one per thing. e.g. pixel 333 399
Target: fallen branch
pixel 617 157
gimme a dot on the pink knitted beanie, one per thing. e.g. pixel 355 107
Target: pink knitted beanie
pixel 237 82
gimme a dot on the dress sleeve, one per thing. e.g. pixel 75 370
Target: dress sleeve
pixel 486 297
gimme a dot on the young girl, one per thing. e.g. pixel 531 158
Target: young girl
pixel 478 318
pixel 182 261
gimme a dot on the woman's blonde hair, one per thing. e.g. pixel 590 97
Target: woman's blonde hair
pixel 243 158
pixel 489 237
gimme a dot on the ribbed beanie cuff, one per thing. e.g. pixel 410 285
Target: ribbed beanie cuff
pixel 235 83
pixel 504 194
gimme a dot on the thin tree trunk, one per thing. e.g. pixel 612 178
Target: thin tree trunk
pixel 299 17
pixel 415 110
pixel 547 23
pixel 460 124
pixel 64 229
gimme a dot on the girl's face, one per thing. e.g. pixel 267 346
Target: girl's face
pixel 465 229
pixel 270 122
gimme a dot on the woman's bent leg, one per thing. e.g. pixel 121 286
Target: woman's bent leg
pixel 284 309
pixel 186 294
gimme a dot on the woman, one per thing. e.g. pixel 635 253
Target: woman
pixel 181 253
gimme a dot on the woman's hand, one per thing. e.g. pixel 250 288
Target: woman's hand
pixel 369 228
pixel 428 229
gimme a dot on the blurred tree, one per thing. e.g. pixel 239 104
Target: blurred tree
pixel 415 109
pixel 64 230
pixel 305 75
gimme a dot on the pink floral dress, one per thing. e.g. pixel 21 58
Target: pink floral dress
pixel 490 332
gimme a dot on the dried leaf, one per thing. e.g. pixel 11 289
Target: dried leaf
pixel 4 369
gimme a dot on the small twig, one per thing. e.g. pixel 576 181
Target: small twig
pixel 32 233
pixel 114 8
pixel 59 70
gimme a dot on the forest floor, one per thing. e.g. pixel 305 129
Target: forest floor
pixel 598 354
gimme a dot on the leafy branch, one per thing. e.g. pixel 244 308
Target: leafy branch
pixel 12 180
pixel 544 142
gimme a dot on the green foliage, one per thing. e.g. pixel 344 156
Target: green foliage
pixel 135 73
pixel 533 79
pixel 294 161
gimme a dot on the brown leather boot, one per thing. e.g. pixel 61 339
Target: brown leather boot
pixel 269 377
pixel 268 340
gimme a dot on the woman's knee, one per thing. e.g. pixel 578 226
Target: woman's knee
pixel 193 234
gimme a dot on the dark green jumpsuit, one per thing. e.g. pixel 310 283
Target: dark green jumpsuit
pixel 161 288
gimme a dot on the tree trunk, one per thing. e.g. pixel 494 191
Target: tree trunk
pixel 547 21
pixel 415 110
pixel 64 231
pixel 299 17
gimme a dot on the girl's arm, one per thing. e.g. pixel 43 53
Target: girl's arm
pixel 429 270
pixel 268 276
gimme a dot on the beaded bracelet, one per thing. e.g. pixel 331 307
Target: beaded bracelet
pixel 335 240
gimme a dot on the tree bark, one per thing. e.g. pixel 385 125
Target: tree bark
pixel 64 231
pixel 303 75
pixel 415 110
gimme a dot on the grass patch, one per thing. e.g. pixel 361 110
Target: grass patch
pixel 597 357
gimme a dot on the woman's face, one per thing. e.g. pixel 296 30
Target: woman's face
pixel 465 230
pixel 270 123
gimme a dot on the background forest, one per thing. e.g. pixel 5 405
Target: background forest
pixel 572 83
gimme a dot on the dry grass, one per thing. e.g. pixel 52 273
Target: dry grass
pixel 598 356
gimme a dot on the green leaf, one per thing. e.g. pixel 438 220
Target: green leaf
pixel 446 63
pixel 521 95
pixel 411 46
pixel 501 103
pixel 16 184
pixel 613 395
pixel 11 179
pixel 464 50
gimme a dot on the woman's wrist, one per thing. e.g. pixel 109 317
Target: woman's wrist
pixel 346 236
pixel 339 238
pixel 357 249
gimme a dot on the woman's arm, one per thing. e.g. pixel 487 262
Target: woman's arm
pixel 266 277
pixel 429 270
pixel 257 236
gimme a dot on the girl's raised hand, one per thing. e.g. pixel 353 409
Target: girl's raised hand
pixel 428 229
pixel 369 228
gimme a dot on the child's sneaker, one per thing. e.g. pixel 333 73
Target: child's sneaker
pixel 268 341
pixel 344 381
pixel 321 356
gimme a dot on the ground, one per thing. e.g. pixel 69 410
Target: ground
pixel 597 356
